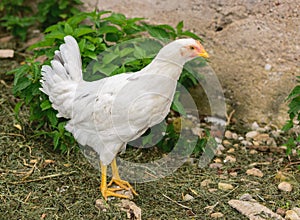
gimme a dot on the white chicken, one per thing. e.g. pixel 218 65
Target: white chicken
pixel 107 113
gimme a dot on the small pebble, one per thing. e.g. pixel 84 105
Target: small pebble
pixel 254 126
pixel 205 183
pixel 251 134
pixel 188 197
pixel 236 145
pixel 215 165
pixel 256 143
pixel 233 174
pixel 235 136
pixel 246 143
pixel 101 205
pixel 231 150
pixel 253 151
pixel 211 190
pixel 285 186
pixel 217 215
pixel 220 147
pixel 268 67
pixel 225 186
pixel 297 210
pixel 246 197
pixel 228 134
pixel 230 159
pixel 255 172
pixel 291 215
pixel 226 143
pixel 217 160
pixel 280 211
pixel 262 137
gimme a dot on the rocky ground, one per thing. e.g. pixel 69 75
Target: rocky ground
pixel 254 46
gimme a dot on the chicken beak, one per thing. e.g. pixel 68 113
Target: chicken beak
pixel 203 54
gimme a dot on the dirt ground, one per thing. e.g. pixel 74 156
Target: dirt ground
pixel 40 183
pixel 254 46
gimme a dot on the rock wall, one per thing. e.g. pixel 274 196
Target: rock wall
pixel 254 46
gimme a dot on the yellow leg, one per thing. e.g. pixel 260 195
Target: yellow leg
pixel 117 180
pixel 103 187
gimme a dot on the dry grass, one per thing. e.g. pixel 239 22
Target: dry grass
pixel 39 183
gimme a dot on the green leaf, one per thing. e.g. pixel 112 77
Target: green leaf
pixel 109 57
pixel 83 31
pixel 176 105
pixel 68 29
pixel 46 105
pixel 108 29
pixel 56 138
pixel 139 53
pixel 75 20
pixel 55 35
pixel 179 27
pixel 51 115
pixel 21 84
pixel 288 125
pixel 294 92
pixel 18 107
pixel 190 34
pixel 126 51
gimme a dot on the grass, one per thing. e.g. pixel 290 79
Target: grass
pixel 39 183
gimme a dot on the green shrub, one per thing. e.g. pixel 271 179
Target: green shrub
pixel 294 115
pixel 17 16
pixel 96 33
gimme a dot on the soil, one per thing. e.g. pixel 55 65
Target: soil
pixel 242 37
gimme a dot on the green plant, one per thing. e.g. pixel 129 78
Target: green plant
pixel 294 115
pixel 95 34
pixel 17 16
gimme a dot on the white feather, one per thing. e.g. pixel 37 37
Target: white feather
pixel 108 113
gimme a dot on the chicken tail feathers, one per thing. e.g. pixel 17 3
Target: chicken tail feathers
pixel 59 81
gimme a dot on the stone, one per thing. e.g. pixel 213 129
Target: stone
pixel 255 172
pixel 228 134
pixel 246 197
pixel 217 215
pixel 256 143
pixel 280 211
pixel 101 205
pixel 217 160
pixel 235 136
pixel 251 134
pixel 205 183
pixel 230 159
pixel 227 143
pixel 254 126
pixel 262 137
pixel 233 174
pixel 215 165
pixel 225 186
pixel 291 215
pixel 254 210
pixel 220 147
pixel 285 186
pixel 246 143
pixel 187 197
pixel 231 150
pixel 268 67
pixel 253 151
pixel 297 210
pixel 211 190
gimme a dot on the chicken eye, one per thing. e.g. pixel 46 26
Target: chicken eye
pixel 192 47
